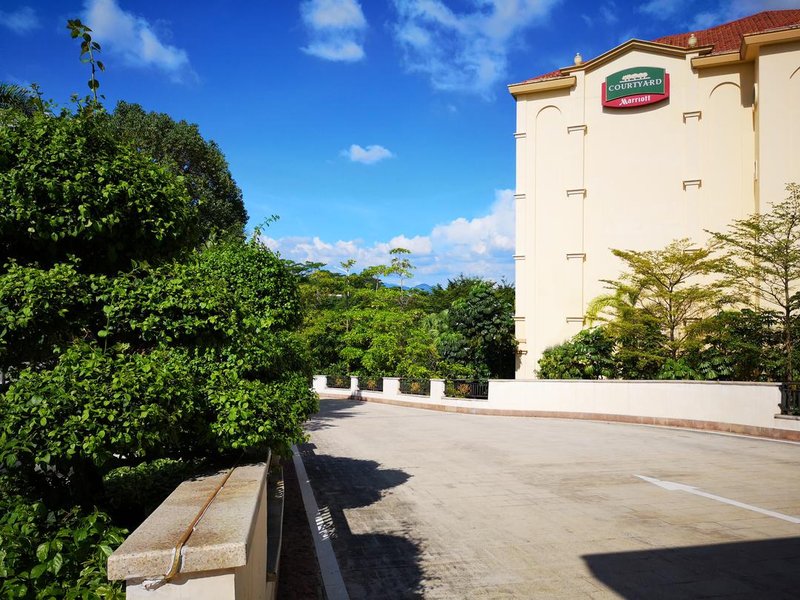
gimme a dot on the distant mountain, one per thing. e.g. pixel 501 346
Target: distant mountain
pixel 422 287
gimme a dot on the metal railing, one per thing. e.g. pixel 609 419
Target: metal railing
pixel 790 398
pixel 341 382
pixel 463 388
pixel 371 384
pixel 419 387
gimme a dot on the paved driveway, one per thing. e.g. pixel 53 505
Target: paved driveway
pixel 438 505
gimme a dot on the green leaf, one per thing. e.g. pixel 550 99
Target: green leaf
pixel 42 550
pixel 37 570
pixel 56 563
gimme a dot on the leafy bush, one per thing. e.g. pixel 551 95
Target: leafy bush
pixel 129 350
pixel 677 369
pixel 70 189
pixel 48 553
pixel 588 355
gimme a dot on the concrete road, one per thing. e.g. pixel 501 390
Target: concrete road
pixel 423 504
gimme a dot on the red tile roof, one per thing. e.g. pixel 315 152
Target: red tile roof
pixel 724 38
pixel 728 36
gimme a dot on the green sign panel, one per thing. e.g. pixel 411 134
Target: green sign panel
pixel 635 87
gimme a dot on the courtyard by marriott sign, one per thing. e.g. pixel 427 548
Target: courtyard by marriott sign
pixel 638 86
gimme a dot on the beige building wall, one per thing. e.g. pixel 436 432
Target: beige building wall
pixel 591 178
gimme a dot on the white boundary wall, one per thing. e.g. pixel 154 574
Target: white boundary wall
pixel 734 407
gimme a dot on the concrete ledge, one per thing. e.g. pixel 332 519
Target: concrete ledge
pixel 219 541
pixel 225 555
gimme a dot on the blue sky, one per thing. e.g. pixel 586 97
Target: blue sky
pixel 364 125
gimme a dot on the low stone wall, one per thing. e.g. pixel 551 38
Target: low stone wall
pixel 733 407
pixel 225 555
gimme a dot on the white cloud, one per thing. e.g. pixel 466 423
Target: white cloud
pixel 482 246
pixel 339 50
pixel 133 38
pixel 333 14
pixel 368 155
pixel 662 9
pixel 704 20
pixel 420 245
pixel 463 51
pixel 20 21
pixel 609 13
pixel 481 235
pixel 335 28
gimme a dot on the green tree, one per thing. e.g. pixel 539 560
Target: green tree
pixel 740 345
pixel 442 297
pixel 70 189
pixel 126 347
pixel 672 289
pixel 400 264
pixel 484 327
pixel 763 262
pixel 179 146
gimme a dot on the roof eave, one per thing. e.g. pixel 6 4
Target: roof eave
pixel 716 60
pixel 568 80
pixel 545 85
pixel 751 43
pixel 634 44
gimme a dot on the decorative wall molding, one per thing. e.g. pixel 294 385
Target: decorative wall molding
pixel 577 128
pixel 692 114
pixel 519 257
pixel 688 183
pixel 576 192
pixel 576 255
pixel 520 135
pixel 574 319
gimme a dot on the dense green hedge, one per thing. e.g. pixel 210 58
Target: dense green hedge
pixel 135 351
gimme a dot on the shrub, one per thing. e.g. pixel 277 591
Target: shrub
pixel 588 355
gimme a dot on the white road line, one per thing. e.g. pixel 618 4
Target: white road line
pixel 672 486
pixel 328 565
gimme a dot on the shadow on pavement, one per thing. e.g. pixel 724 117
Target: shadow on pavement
pixel 767 569
pixel 373 565
pixel 330 411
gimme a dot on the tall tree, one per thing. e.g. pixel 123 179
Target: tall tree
pixel 672 288
pixel 401 264
pixel 484 325
pixel 200 162
pixel 763 261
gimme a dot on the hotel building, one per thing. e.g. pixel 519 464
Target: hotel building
pixel 650 142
